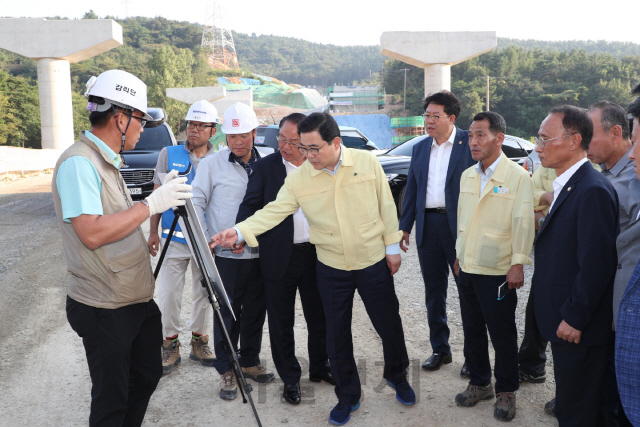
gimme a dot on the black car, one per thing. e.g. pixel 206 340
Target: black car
pixel 267 136
pixel 140 163
pixel 396 161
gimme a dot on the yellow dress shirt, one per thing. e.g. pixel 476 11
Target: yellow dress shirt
pixel 352 216
pixel 495 227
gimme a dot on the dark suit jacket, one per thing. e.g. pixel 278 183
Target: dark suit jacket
pixel 415 196
pixel 276 244
pixel 575 260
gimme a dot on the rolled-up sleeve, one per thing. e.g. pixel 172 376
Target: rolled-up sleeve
pixel 522 227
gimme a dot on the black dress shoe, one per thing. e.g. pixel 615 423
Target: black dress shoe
pixel 464 372
pixel 326 377
pixel 291 393
pixel 435 361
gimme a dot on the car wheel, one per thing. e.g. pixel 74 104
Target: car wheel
pixel 400 201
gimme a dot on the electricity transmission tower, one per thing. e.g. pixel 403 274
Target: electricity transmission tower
pixel 220 41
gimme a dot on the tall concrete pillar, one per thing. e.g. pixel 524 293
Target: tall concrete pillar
pixel 436 52
pixel 54 45
pixel 56 109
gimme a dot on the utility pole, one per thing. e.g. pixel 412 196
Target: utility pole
pixel 488 93
pixel 405 87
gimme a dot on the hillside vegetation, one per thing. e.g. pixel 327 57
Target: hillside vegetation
pixel 527 77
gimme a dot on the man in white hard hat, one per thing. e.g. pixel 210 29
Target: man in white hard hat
pixel 202 118
pixel 218 190
pixel 110 298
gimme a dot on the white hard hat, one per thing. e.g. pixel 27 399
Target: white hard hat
pixel 119 88
pixel 239 118
pixel 203 111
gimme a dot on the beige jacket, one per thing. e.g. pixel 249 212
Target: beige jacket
pixel 352 215
pixel 495 228
pixel 116 274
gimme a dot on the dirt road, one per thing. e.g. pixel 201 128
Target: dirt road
pixel 45 381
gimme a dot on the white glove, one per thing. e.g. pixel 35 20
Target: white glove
pixel 172 192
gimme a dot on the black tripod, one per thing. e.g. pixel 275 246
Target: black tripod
pixel 209 284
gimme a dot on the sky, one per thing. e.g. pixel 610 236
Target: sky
pixel 356 22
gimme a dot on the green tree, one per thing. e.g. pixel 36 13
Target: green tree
pixel 169 68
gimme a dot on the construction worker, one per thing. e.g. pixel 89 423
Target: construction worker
pixel 110 298
pixel 202 118
pixel 219 188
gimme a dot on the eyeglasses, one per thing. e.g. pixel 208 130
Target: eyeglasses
pixel 293 143
pixel 543 142
pixel 199 126
pixel 434 117
pixel 143 122
pixel 310 151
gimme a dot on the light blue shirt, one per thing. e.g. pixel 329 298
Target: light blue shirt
pixel 485 176
pixel 393 249
pixel 79 184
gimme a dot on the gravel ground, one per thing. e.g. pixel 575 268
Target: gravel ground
pixel 45 380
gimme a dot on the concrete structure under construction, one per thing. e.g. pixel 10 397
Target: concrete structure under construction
pixel 54 45
pixel 220 97
pixel 436 52
pixel 355 98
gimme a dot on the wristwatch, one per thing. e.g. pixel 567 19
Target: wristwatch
pixel 541 221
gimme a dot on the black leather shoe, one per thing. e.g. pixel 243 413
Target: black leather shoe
pixel 291 393
pixel 326 377
pixel 436 360
pixel 464 372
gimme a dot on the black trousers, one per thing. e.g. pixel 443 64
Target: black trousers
pixel 532 356
pixel 281 301
pixel 244 285
pixel 481 311
pixel 375 286
pixel 581 378
pixel 122 347
pixel 436 255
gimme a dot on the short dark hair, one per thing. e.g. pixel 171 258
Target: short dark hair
pixel 576 120
pixel 293 118
pixel 636 90
pixel 611 115
pixel 99 119
pixel 634 108
pixel 496 121
pixel 445 98
pixel 323 123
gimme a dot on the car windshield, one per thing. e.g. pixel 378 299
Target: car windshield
pixel 154 139
pixel 406 148
pixel 353 142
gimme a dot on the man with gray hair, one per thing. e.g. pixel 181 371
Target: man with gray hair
pixel 610 147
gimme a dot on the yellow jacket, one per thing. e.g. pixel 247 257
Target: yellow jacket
pixel 352 215
pixel 542 183
pixel 495 229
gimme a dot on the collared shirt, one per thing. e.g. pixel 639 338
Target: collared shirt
pixel 79 184
pixel 247 166
pixel 438 166
pixel 621 175
pixel 485 176
pixel 335 169
pixel 561 181
pixel 300 223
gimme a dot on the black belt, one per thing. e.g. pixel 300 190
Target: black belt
pixel 306 246
pixel 436 210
